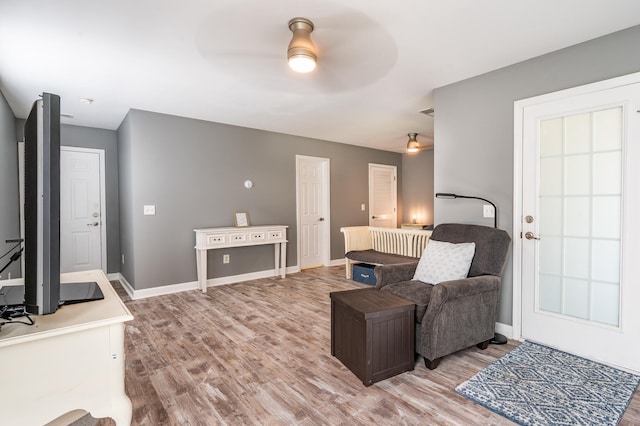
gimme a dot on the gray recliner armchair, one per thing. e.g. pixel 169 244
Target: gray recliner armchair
pixel 456 314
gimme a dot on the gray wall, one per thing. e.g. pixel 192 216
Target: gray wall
pixel 107 140
pixel 474 129
pixel 417 187
pixel 9 203
pixel 193 172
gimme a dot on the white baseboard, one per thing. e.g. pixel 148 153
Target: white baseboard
pixel 162 290
pixel 505 329
pixel 113 276
pixel 125 284
pixel 231 279
pixel 193 285
pixel 337 262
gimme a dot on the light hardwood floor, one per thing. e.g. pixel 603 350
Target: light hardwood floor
pixel 258 353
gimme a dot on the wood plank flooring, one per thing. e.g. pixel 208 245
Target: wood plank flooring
pixel 258 353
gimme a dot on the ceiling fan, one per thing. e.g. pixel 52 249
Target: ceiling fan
pixel 253 49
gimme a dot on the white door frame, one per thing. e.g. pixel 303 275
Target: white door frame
pixel 103 198
pixel 518 138
pixel 326 229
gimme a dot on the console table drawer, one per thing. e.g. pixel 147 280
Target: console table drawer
pixel 257 236
pixel 237 237
pixel 276 235
pixel 216 239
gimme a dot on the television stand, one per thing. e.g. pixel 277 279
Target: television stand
pixel 71 359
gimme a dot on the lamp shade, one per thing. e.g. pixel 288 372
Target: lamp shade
pixel 301 52
pixel 413 145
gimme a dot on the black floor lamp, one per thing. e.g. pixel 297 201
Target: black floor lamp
pixel 495 209
pixel 498 339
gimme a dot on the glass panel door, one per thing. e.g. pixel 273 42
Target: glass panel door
pixel 579 199
pixel 580 204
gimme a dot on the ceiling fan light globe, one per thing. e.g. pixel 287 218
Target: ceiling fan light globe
pixel 302 63
pixel 301 52
pixel 413 145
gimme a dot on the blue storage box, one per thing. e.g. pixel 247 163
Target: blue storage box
pixel 363 272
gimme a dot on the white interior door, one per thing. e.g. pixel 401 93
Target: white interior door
pixel 383 195
pixel 580 204
pixel 82 233
pixel 313 211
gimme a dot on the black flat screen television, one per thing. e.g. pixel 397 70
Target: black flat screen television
pixel 42 206
pixel 43 292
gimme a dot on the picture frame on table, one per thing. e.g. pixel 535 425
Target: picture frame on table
pixel 242 219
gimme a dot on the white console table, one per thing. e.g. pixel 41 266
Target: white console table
pixel 216 238
pixel 72 359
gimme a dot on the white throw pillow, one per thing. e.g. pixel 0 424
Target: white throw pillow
pixel 442 261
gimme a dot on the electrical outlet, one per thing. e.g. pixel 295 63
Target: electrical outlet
pixel 149 210
pixel 488 211
pixel 225 258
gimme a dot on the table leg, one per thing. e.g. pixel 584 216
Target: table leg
pixel 283 258
pixel 276 250
pixel 201 265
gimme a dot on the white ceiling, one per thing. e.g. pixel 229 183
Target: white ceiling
pixel 225 60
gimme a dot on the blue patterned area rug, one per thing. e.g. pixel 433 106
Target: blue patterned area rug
pixel 537 385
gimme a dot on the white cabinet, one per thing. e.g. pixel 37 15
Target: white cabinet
pixel 71 359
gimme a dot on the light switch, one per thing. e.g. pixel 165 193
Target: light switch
pixel 488 211
pixel 149 210
pixel 362 207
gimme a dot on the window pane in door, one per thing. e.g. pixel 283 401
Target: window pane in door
pixel 551 222
pixel 577 217
pixel 605 260
pixel 577 134
pixel 576 257
pixel 551 176
pixel 607 129
pixel 607 173
pixel 577 175
pixel 605 303
pixel 551 134
pixel 551 293
pixel 551 255
pixel 606 217
pixel 576 301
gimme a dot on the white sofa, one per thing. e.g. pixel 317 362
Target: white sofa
pixel 381 246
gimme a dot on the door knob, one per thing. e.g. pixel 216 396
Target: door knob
pixel 321 219
pixel 530 236
pixel 374 217
pixel 93 224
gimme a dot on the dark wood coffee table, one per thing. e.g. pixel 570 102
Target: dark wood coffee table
pixel 372 333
